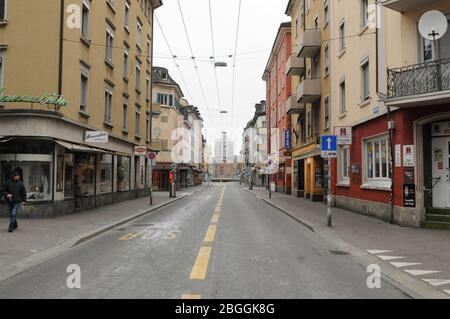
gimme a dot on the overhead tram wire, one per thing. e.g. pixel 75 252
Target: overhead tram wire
pixel 234 63
pixel 214 59
pixel 174 60
pixel 195 63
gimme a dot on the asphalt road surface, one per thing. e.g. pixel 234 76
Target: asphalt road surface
pixel 222 242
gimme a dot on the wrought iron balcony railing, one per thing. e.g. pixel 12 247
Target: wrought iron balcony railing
pixel 419 79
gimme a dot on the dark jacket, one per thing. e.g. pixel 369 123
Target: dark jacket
pixel 17 190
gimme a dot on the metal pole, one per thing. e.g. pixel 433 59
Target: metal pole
pixel 270 186
pixel 329 214
pixel 391 144
pixel 151 182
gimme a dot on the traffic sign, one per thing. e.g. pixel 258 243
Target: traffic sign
pixel 329 146
pixel 151 155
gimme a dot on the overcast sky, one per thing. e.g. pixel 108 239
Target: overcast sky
pixel 259 24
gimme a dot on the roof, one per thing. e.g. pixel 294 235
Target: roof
pixel 157 78
pixel 156 4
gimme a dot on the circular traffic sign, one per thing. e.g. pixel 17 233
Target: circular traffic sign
pixel 151 155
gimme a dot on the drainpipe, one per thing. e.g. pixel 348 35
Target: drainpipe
pixel 391 126
pixel 61 47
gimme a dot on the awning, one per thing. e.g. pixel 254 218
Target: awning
pixel 122 154
pixel 81 148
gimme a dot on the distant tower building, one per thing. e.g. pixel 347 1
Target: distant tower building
pixel 224 150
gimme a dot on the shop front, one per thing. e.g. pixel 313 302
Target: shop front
pixel 308 173
pixel 62 170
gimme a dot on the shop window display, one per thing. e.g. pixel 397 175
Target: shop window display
pixel 123 173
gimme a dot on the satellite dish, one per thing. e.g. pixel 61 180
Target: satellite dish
pixel 433 25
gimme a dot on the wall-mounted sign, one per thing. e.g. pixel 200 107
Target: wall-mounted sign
pixel 409 195
pixel 344 135
pixel 96 137
pixel 408 156
pixel 398 155
pixel 140 151
pixel 50 99
pixel 440 129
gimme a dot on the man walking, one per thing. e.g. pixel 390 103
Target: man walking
pixel 15 194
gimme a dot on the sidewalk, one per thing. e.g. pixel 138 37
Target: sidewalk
pixel 37 240
pixel 421 253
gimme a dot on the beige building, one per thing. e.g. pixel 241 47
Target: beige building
pixel 86 146
pixel 310 66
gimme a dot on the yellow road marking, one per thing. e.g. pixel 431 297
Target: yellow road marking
pixel 215 219
pixel 129 236
pixel 217 210
pixel 191 297
pixel 211 233
pixel 201 264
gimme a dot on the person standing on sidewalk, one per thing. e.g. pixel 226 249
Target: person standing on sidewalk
pixel 15 194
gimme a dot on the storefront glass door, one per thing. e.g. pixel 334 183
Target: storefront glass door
pixel 441 172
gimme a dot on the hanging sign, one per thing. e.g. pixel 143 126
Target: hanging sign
pixel 398 155
pixel 344 135
pixel 140 151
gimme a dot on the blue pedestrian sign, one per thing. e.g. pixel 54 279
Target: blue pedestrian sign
pixel 329 146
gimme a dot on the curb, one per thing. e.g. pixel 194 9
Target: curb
pixel 409 285
pixel 50 253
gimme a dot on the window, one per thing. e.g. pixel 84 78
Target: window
pixel 139 34
pixel 127 14
pixel 342 36
pixel 327 60
pixel 316 23
pixel 342 106
pixel 344 164
pixel 326 111
pixel 365 80
pixel 112 3
pixel 125 114
pixel 148 88
pixel 137 121
pixel 109 43
pixel 316 115
pixel 123 173
pixel 326 13
pixel 296 27
pixel 106 169
pixel 126 62
pixel 147 128
pixel 138 75
pixel 149 50
pixel 108 104
pixel 309 124
pixel 3 4
pixel 165 99
pixel 85 19
pixel 377 158
pixel 364 13
pixel 303 15
pixel 84 183
pixel 84 91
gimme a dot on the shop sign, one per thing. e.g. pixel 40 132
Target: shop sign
pixel 288 139
pixel 140 151
pixel 398 155
pixel 440 129
pixel 344 135
pixel 96 137
pixel 408 156
pixel 46 99
pixel 409 195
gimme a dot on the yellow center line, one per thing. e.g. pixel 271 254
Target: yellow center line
pixel 210 234
pixel 215 219
pixel 201 264
pixel 217 210
pixel 129 236
pixel 191 297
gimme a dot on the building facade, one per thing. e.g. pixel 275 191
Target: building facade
pixel 77 122
pixel 310 102
pixel 278 91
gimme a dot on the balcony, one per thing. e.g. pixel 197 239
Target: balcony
pixel 156 109
pixel 309 91
pixel 295 66
pixel 310 44
pixel 419 84
pixel 294 107
pixel 405 5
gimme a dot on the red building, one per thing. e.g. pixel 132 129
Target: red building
pixel 278 89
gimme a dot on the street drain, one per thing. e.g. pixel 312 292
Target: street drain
pixel 339 253
pixel 143 225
